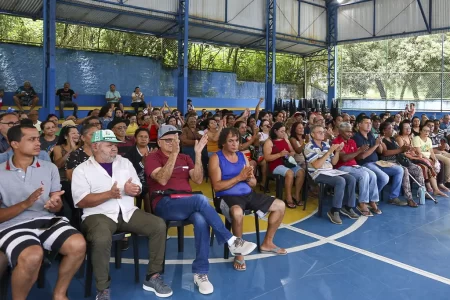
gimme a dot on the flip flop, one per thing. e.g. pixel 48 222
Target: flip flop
pixel 375 211
pixel 365 213
pixel 299 203
pixel 290 205
pixel 241 263
pixel 274 251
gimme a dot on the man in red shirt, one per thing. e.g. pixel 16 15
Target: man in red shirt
pixel 168 169
pixel 367 180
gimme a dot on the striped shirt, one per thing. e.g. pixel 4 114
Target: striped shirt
pixel 313 152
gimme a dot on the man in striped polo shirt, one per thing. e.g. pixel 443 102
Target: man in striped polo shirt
pixel 30 194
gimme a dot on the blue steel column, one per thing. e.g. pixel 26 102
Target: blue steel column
pixel 271 43
pixel 49 49
pixel 183 33
pixel 332 51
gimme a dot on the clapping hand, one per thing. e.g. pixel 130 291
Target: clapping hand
pixel 54 204
pixel 199 145
pixel 246 173
pixel 115 192
pixel 132 189
pixel 34 196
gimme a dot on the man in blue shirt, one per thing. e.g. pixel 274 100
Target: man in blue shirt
pixel 113 97
pixel 7 121
pixel 369 159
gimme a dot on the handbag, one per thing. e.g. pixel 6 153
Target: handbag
pixel 403 160
pixel 285 160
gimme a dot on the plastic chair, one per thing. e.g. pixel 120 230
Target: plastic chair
pixel 226 250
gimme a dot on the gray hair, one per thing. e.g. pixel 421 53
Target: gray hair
pixel 345 125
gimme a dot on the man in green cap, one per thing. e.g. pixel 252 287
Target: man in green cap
pixel 104 186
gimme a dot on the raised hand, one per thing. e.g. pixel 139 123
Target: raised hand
pixel 261 100
pixel 176 145
pixel 115 192
pixel 199 145
pixel 35 196
pixel 131 189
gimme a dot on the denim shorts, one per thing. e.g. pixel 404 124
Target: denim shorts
pixel 282 170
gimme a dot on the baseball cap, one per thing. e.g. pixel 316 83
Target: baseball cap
pixel 167 129
pixel 104 136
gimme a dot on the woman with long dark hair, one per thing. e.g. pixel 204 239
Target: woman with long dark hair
pixel 276 148
pixel 298 141
pixel 48 137
pixel 137 156
pixel 105 115
pixel 392 152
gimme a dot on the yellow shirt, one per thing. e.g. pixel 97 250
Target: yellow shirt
pixel 131 129
pixel 425 147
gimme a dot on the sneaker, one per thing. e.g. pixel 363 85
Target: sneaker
pixel 334 217
pixel 156 284
pixel 349 213
pixel 398 202
pixel 241 247
pixel 103 295
pixel 204 286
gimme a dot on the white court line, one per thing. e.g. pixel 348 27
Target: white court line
pixel 320 241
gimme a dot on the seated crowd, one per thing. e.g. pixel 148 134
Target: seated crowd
pixel 96 166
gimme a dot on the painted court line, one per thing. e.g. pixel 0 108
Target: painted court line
pixel 320 241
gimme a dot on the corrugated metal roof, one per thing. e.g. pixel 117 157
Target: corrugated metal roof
pixel 287 17
pixel 313 22
pixel 355 21
pixel 441 11
pixel 246 27
pixel 398 16
pixel 29 7
pixel 162 5
pixel 249 13
pixel 208 9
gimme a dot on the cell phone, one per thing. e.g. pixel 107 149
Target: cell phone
pixel 258 123
pixel 145 111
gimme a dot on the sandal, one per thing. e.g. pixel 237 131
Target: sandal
pixel 365 213
pixel 375 211
pixel 290 205
pixel 412 203
pixel 299 203
pixel 239 265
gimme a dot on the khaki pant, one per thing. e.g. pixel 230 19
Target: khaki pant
pixel 98 230
pixel 444 157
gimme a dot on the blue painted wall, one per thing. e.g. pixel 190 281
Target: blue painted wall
pixel 91 73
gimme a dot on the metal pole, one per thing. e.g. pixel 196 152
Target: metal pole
pixel 442 71
pixel 305 88
pixel 49 61
pixel 183 43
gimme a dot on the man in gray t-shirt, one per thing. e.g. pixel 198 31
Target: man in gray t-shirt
pixel 30 194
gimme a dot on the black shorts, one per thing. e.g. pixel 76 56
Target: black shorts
pixel 252 201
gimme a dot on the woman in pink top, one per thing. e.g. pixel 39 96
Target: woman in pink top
pixel 275 148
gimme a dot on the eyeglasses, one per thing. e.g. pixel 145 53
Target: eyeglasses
pixel 319 132
pixel 11 124
pixel 168 141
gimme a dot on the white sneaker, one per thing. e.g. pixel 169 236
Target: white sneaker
pixel 204 286
pixel 241 247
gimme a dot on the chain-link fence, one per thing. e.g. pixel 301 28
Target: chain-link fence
pixel 388 74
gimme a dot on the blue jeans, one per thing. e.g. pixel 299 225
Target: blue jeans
pixel 383 174
pixel 367 183
pixel 344 187
pixel 197 209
